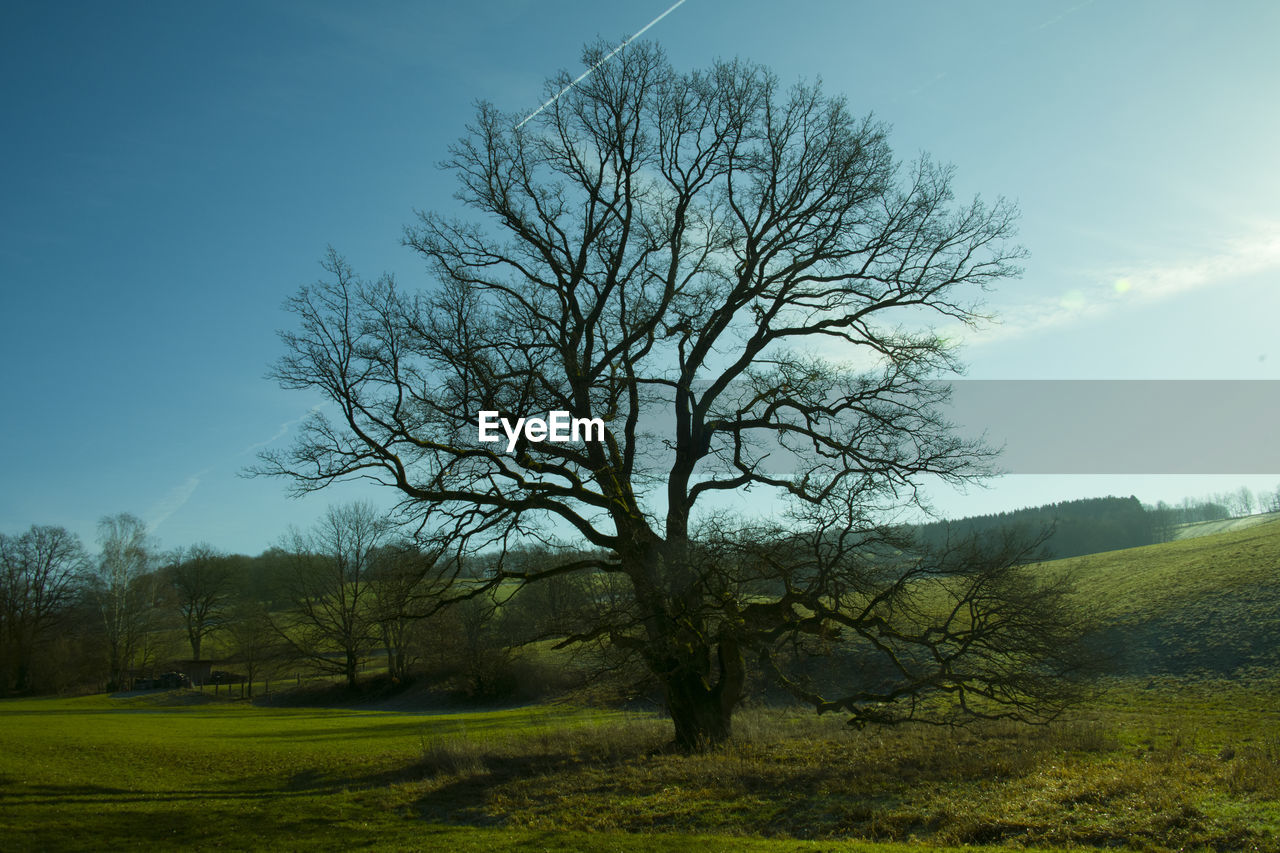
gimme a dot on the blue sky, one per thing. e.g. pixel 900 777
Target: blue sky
pixel 172 172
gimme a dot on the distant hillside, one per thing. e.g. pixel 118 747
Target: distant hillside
pixel 1209 604
pixel 1086 526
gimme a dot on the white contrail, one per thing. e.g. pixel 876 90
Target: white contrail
pixel 284 428
pixel 602 61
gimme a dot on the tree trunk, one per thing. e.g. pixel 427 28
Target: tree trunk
pixel 701 669
pixel 701 713
pixel 116 667
pixel 395 655
pixel 352 669
pixel 24 673
pixel 700 718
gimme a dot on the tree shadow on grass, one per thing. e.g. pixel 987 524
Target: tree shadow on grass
pixel 874 785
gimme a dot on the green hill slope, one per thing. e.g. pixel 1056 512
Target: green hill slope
pixel 1209 605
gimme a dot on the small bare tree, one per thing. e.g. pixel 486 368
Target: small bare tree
pixel 254 642
pixel 409 586
pixel 203 584
pixel 125 590
pixel 333 624
pixel 1244 501
pixel 40 574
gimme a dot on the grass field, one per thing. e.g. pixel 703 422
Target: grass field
pixel 1182 761
pixel 1141 582
pixel 1173 766
pixel 1199 607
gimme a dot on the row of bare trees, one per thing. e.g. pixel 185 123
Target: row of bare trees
pixel 346 597
pixel 351 590
pixel 1167 517
pixel 53 595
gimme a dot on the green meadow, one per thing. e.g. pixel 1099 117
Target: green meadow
pixel 1179 758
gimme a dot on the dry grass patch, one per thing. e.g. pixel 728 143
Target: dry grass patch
pixel 1102 779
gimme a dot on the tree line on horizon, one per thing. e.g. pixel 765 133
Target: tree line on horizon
pixel 350 598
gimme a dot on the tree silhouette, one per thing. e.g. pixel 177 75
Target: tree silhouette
pixel 698 260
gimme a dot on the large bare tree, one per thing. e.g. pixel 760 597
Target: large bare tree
pixel 700 260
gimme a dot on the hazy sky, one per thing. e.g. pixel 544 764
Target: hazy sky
pixel 172 172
